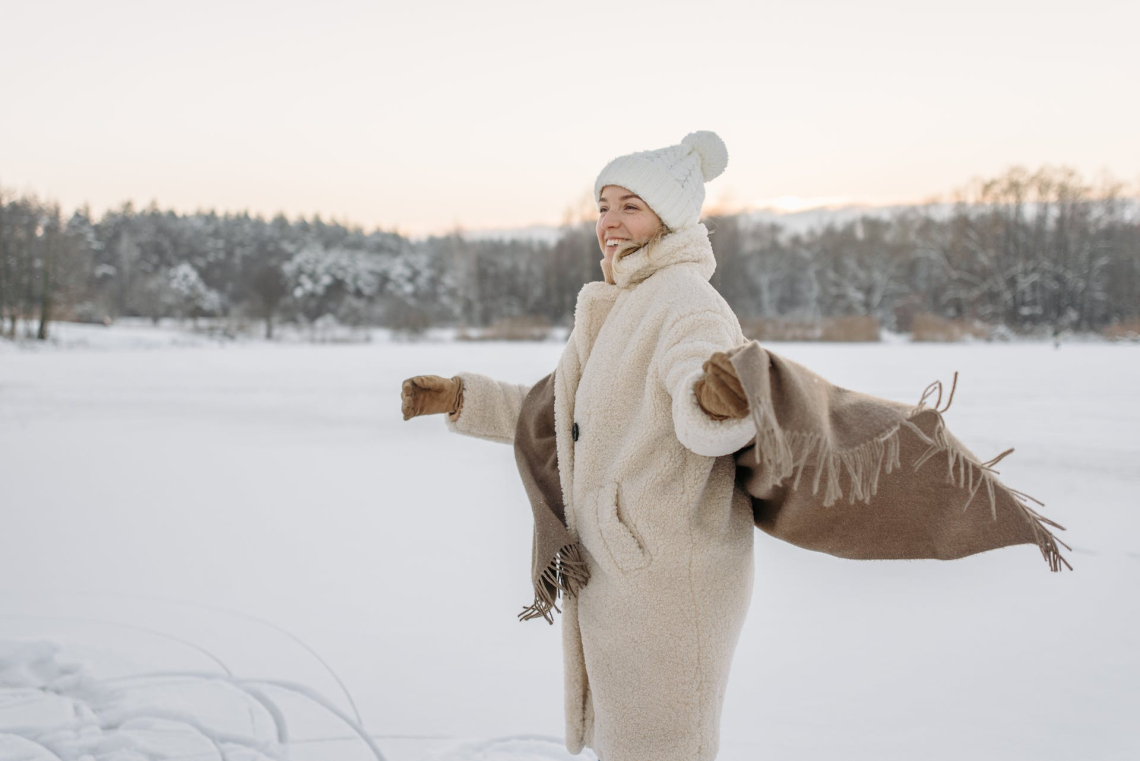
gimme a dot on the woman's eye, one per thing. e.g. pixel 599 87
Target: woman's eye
pixel 631 206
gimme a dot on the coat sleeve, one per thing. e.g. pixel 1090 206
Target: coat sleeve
pixel 687 342
pixel 490 408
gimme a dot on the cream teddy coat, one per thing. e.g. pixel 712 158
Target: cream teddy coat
pixel 648 481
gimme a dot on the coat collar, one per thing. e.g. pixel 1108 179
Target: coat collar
pixel 689 244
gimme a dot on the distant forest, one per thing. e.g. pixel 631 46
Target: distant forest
pixel 1030 251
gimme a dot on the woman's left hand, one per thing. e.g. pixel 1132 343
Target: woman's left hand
pixel 720 392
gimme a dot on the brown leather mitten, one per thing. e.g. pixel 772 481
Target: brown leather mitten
pixel 720 392
pixel 429 394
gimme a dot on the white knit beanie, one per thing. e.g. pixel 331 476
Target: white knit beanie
pixel 671 180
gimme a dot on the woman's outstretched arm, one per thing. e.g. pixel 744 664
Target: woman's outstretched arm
pixel 687 342
pixel 488 409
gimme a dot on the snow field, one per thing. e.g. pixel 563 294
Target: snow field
pixel 187 509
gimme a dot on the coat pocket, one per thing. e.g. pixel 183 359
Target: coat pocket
pixel 623 542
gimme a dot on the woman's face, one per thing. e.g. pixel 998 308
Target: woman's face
pixel 622 216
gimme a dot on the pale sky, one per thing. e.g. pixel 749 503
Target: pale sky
pixel 420 116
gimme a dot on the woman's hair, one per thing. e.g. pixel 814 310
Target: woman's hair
pixel 631 246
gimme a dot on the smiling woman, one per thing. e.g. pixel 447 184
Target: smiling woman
pixel 625 224
pixel 652 516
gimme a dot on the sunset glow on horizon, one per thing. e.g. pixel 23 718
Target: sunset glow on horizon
pixel 426 118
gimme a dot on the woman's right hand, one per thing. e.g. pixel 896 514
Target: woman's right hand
pixel 429 394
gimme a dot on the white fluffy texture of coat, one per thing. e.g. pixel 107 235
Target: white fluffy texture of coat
pixel 649 489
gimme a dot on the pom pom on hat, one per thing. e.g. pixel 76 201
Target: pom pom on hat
pixel 711 149
pixel 672 179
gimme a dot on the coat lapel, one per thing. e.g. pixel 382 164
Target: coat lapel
pixel 556 560
pixel 595 300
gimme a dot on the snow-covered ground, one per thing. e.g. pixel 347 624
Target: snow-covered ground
pixel 233 550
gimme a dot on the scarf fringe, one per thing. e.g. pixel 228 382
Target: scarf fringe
pixel 566 573
pixel 785 453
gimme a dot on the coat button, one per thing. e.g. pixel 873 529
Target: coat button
pixel 574 432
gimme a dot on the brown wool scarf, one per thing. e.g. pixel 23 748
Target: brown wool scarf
pixel 812 433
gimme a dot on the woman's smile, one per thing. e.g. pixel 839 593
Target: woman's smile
pixel 622 217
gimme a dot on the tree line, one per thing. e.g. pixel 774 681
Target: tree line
pixel 1023 250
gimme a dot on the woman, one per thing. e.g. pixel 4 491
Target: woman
pixel 644 443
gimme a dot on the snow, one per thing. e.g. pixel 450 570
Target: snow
pixel 189 524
